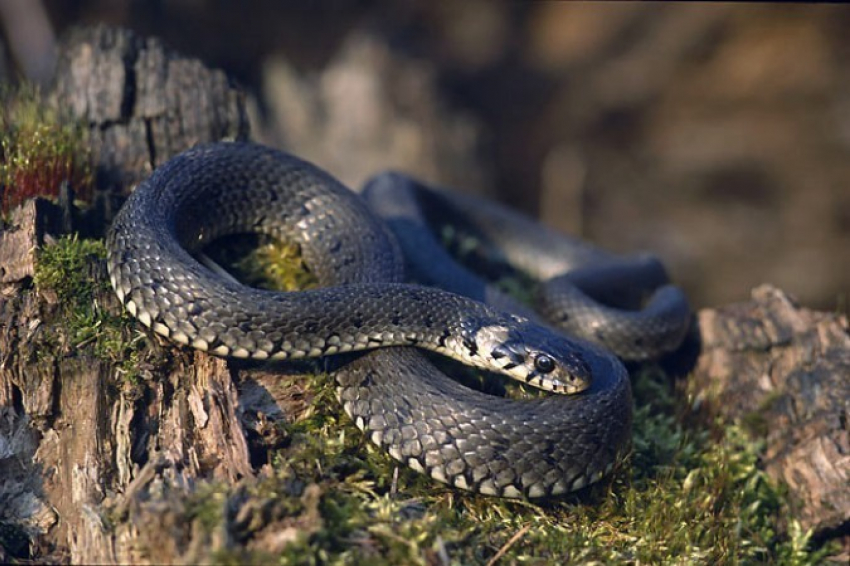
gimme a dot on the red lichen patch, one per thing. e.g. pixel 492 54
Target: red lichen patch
pixel 40 149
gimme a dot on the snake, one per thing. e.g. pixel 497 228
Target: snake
pixel 383 329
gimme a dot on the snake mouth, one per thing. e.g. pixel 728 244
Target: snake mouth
pixel 568 384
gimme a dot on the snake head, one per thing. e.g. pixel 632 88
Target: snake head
pixel 536 356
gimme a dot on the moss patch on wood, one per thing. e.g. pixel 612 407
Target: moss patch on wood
pixel 67 268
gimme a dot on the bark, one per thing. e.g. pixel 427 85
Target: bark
pixel 785 371
pixel 143 103
pixel 97 467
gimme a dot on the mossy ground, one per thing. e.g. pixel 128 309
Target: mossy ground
pixel 686 495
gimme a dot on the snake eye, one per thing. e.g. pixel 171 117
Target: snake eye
pixel 544 363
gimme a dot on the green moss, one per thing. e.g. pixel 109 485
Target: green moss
pixel 691 496
pixel 67 268
pixel 64 268
pixel 756 421
pixel 207 506
pixel 263 262
pixel 41 149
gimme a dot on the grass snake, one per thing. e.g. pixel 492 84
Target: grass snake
pixel 392 391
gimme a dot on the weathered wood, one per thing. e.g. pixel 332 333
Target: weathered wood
pixel 143 102
pixel 21 236
pixel 785 371
pixel 88 429
pixel 80 430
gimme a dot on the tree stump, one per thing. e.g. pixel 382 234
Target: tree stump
pixel 143 102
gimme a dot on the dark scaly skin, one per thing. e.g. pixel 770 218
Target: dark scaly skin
pixel 584 290
pixel 492 445
pixel 424 419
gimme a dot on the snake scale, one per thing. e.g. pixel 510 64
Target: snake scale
pixel 392 391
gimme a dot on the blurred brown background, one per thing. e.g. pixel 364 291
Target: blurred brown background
pixel 716 135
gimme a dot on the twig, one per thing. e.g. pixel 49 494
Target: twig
pixel 508 545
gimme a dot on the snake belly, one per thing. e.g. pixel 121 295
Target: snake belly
pixel 404 404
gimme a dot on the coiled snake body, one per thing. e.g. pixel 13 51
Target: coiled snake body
pixel 419 415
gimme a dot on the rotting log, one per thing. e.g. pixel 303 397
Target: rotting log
pixel 87 428
pixel 76 431
pixel 99 461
